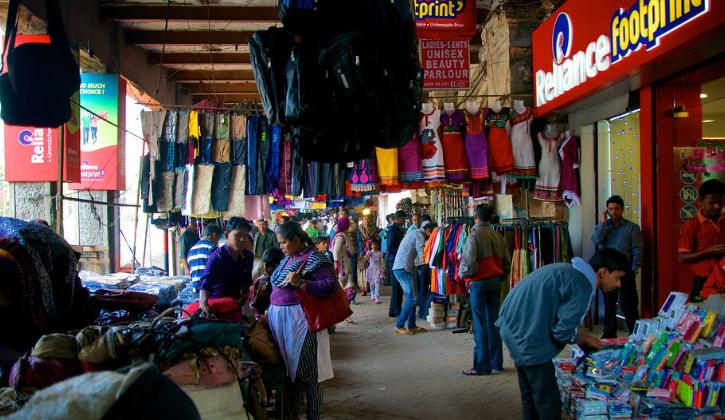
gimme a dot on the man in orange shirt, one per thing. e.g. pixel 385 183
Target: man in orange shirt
pixel 702 242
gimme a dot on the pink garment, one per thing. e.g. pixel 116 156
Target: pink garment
pixel 256 207
pixel 410 161
pixel 569 184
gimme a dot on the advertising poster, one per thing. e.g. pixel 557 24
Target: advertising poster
pixel 100 133
pixel 440 19
pixel 445 63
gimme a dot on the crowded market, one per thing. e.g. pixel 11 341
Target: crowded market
pixel 332 209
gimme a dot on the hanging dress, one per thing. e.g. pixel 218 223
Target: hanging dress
pixel 456 162
pixel 433 163
pixel 523 147
pixel 410 161
pixel 547 184
pixel 387 166
pixel 364 176
pixel 500 153
pixel 569 185
pixel 476 144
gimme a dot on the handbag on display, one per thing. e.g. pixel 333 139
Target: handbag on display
pixel 39 77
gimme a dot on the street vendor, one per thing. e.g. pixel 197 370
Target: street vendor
pixel 541 315
pixel 228 272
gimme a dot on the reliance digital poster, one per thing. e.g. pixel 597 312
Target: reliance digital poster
pixel 101 138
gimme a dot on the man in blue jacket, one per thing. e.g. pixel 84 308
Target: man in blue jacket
pixel 541 315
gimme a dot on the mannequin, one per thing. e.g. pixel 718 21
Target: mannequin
pixel 551 130
pixel 449 108
pixel 519 106
pixel 427 107
pixel 497 107
pixel 472 107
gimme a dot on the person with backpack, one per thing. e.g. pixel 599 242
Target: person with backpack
pixel 484 263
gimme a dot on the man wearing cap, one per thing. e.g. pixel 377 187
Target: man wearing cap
pixel 264 239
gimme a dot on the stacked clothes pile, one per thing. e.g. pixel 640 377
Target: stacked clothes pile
pixel 166 288
pixel 115 281
pixel 673 366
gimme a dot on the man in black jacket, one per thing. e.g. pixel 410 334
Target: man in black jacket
pixel 395 236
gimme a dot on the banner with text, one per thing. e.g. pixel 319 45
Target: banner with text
pixel 440 19
pixel 445 63
pixel 101 134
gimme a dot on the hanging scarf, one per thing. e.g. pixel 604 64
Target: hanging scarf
pixel 310 258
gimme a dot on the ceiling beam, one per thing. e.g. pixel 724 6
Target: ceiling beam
pixel 218 75
pixel 199 58
pixel 231 98
pixel 205 89
pixel 188 37
pixel 191 13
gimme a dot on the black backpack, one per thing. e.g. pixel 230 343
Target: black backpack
pixel 268 53
pixel 40 78
pixel 335 144
pixel 306 99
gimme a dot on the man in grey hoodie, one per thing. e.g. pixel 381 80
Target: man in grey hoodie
pixel 541 315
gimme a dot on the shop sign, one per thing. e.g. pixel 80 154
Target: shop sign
pixel 102 100
pixel 588 44
pixel 444 18
pixel 695 165
pixel 445 63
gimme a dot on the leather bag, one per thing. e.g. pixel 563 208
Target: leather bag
pixel 323 312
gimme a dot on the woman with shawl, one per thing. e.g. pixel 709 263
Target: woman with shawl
pixel 342 253
pixel 306 354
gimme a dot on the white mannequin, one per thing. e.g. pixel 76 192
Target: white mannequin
pixel 472 107
pixel 427 107
pixel 449 107
pixel 551 130
pixel 497 107
pixel 519 106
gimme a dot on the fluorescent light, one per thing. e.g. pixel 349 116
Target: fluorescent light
pixel 703 95
pixel 708 121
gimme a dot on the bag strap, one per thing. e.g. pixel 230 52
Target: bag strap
pixel 11 27
pixel 56 29
pixel 307 257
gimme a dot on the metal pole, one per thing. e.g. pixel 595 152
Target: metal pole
pixel 59 184
pixel 145 240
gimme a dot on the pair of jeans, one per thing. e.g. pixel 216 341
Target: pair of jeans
pixel 423 290
pixel 396 294
pixel 408 312
pixel 252 140
pixel 484 300
pixel 221 182
pixel 628 301
pixel 539 392
pixel 205 151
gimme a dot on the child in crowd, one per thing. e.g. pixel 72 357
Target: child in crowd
pixel 322 243
pixel 376 270
pixel 261 291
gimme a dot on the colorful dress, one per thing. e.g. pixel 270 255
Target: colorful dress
pixel 569 185
pixel 387 165
pixel 547 184
pixel 500 152
pixel 456 162
pixel 523 147
pixel 364 176
pixel 410 162
pixel 433 163
pixel 476 144
pixel 375 272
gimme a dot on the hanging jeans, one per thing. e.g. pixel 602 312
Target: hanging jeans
pixel 252 140
pixel 424 295
pixel 220 186
pixel 539 392
pixel 263 150
pixel 272 173
pixel 627 297
pixel 405 279
pixel 487 350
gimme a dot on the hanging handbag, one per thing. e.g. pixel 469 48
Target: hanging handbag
pixel 323 312
pixel 39 78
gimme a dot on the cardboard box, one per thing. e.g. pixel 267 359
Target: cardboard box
pixel 437 306
pixel 437 313
pixel 435 320
pixel 438 326
pixel 452 325
pixel 453 319
pixel 454 305
pixel 452 312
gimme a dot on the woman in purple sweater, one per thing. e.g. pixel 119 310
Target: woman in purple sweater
pixel 306 354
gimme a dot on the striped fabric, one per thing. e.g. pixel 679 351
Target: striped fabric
pixel 198 254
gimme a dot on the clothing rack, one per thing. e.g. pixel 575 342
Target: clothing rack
pixel 253 107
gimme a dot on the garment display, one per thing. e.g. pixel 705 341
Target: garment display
pixel 456 162
pixel 569 184
pixel 221 126
pixel 432 150
pixel 523 147
pixel 252 161
pixel 476 144
pixel 364 176
pixel 264 148
pixel 387 163
pixel 311 179
pixel 547 184
pixel 273 169
pixel 442 254
pixel 182 131
pixel 221 182
pixel 201 193
pixel 152 125
pixel 235 206
pixel 410 161
pixel 500 152
pixel 284 183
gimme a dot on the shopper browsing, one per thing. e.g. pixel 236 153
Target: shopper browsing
pixel 541 315
pixel 614 231
pixel 702 242
pixel 395 235
pixel 484 263
pixel 199 253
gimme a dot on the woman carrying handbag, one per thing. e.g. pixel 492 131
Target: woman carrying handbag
pixel 302 284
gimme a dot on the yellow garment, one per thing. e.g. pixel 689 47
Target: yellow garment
pixel 387 165
pixel 194 127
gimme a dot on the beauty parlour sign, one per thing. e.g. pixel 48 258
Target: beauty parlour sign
pixel 587 45
pixel 445 28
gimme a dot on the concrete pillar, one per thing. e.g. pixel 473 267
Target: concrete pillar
pixel 31 200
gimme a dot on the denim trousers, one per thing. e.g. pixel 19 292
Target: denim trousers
pixel 396 293
pixel 408 311
pixel 424 294
pixel 539 392
pixel 484 300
